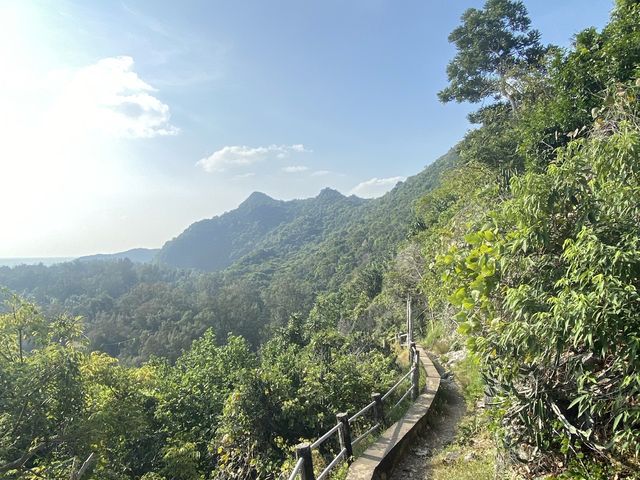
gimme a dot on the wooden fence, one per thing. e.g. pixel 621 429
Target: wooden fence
pixel 343 429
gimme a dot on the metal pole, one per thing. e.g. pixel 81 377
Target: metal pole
pixel 304 451
pixel 345 435
pixel 409 322
pixel 415 377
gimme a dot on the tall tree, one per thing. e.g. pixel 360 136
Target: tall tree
pixel 496 46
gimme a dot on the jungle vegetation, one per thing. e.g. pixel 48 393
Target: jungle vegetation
pixel 522 245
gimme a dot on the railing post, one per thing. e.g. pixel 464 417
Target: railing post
pixel 378 408
pixel 344 434
pixel 415 376
pixel 304 451
pixel 412 351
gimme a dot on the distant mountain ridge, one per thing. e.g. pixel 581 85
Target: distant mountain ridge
pixel 326 237
pixel 323 238
pixel 136 255
pixel 259 222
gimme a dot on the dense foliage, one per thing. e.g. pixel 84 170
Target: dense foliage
pixel 522 244
pixel 543 279
pixel 220 411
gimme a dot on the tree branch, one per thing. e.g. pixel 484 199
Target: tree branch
pixel 88 463
pixel 29 454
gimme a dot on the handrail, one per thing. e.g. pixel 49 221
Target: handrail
pixel 297 468
pixel 402 399
pixel 392 389
pixel 319 441
pixel 357 440
pixel 362 412
pixel 304 464
pixel 333 463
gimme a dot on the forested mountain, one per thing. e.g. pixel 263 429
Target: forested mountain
pixel 321 239
pixel 347 239
pixel 280 256
pixel 259 223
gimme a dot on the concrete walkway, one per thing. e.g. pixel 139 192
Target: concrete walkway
pixel 378 461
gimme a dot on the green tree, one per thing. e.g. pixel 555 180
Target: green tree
pixel 550 298
pixel 42 397
pixel 565 100
pixel 496 48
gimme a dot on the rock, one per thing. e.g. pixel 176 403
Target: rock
pixel 456 357
pixel 409 471
pixel 470 456
pixel 451 457
pixel 421 452
pixel 525 453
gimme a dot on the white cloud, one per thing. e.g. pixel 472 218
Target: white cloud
pixel 241 155
pixel 246 175
pixel 67 131
pixel 320 173
pixel 110 97
pixel 375 187
pixel 295 169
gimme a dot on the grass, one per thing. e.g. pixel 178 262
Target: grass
pixel 440 337
pixel 473 453
pixel 474 461
pixel 467 373
pixel 436 338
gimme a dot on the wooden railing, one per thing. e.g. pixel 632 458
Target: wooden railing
pixel 304 468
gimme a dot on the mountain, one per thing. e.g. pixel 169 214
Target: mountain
pixel 259 223
pixel 322 239
pixel 136 255
pixel 267 259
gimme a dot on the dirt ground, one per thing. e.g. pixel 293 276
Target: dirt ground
pixel 441 431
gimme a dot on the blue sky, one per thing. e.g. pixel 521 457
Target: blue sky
pixel 124 122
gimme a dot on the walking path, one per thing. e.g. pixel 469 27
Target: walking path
pixel 381 458
pixel 438 433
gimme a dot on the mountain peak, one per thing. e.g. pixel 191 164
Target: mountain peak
pixel 329 193
pixel 257 198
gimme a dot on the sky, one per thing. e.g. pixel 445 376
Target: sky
pixel 122 122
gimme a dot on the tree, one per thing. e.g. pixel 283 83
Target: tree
pixel 42 397
pixel 550 297
pixel 496 47
pixel 572 89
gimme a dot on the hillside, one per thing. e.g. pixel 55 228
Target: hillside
pixel 321 239
pixel 260 222
pixel 274 258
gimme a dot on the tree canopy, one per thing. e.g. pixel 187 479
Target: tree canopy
pixel 496 47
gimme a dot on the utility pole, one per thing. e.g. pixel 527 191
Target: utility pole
pixel 409 322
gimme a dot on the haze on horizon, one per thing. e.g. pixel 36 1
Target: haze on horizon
pixel 122 123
